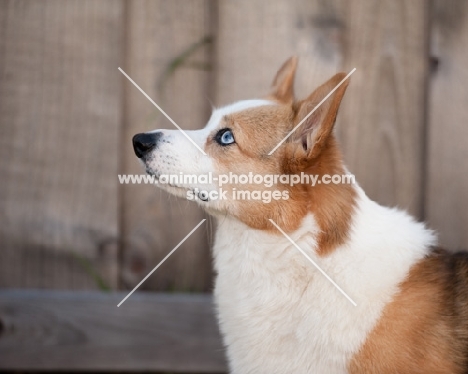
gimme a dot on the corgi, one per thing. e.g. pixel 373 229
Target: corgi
pixel 277 313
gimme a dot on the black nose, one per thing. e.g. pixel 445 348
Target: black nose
pixel 145 142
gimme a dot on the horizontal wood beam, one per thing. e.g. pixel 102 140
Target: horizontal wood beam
pixel 59 330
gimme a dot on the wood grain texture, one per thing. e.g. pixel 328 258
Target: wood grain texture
pixel 167 54
pixel 254 38
pixel 382 117
pixel 60 116
pixel 447 170
pixel 47 330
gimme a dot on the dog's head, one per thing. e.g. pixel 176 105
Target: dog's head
pixel 238 139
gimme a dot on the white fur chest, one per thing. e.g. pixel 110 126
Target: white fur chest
pixel 278 314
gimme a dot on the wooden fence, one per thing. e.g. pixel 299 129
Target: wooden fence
pixel 67 116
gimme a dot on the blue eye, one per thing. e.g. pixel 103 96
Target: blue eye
pixel 225 137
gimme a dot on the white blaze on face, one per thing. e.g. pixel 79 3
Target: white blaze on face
pixel 176 155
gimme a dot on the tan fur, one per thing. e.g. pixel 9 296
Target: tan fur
pixel 270 124
pixel 283 84
pixel 311 149
pixel 331 204
pixel 424 330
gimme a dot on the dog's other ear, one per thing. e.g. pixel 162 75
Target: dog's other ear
pixel 309 139
pixel 283 85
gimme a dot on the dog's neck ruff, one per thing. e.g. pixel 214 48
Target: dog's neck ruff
pixel 274 305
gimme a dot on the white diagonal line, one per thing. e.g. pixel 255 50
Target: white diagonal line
pixel 164 259
pixel 162 111
pixel 313 263
pixel 312 111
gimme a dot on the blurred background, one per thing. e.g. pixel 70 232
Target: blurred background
pixel 73 241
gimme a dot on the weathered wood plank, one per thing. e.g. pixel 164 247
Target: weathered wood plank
pixel 60 97
pixel 382 117
pixel 255 37
pixel 47 330
pixel 168 56
pixel 447 171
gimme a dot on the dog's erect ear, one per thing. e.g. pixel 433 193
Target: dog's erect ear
pixel 283 84
pixel 309 139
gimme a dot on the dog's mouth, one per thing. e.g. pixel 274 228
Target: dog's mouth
pixel 151 171
pixel 170 187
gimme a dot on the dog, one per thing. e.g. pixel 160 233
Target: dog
pixel 279 314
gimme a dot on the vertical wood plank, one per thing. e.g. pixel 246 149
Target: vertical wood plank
pixel 168 56
pixel 255 37
pixel 382 127
pixel 60 112
pixel 447 171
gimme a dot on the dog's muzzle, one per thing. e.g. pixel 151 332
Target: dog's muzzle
pixel 145 142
